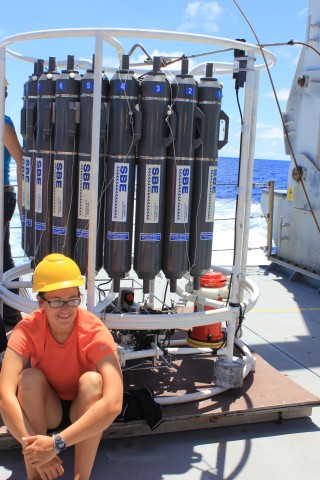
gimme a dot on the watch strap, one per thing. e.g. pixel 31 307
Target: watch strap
pixel 59 444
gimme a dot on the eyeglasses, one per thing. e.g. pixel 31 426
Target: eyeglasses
pixel 74 302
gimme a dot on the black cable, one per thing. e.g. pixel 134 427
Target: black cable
pixel 237 197
pixel 238 332
pixel 164 296
pixel 291 42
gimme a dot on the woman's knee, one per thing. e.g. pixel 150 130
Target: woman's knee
pixel 31 380
pixel 90 389
pixel 91 384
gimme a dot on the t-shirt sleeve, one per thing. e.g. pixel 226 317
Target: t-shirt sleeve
pixel 19 341
pixel 101 345
pixel 27 337
pixel 8 121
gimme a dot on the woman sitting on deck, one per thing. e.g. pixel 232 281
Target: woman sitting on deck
pixel 74 385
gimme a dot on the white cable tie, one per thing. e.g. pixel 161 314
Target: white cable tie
pixel 236 269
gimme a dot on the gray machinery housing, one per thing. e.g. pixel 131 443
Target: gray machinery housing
pixel 157 169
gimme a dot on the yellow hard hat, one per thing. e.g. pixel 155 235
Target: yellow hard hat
pixel 56 272
pixel 7 83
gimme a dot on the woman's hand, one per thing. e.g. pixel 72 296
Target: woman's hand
pixel 52 469
pixel 38 450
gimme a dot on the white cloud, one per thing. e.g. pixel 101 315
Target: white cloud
pixel 192 9
pixel 284 52
pixel 303 13
pixel 282 94
pixel 295 60
pixel 229 150
pixel 270 142
pixel 111 62
pixel 269 133
pixel 273 152
pixel 140 57
pixel 186 26
pixel 202 16
pixel 209 10
pixel 212 10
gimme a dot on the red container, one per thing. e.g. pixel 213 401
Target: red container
pixel 209 335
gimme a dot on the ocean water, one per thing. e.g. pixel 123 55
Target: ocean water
pixel 223 235
pixel 227 179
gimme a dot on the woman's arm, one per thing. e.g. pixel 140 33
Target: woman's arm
pixel 11 412
pixel 12 144
pixel 12 415
pixel 97 418
pixel 102 413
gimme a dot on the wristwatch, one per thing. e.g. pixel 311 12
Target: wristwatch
pixel 59 444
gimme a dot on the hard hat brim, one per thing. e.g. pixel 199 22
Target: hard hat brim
pixel 58 286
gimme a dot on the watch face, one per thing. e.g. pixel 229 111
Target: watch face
pixel 59 443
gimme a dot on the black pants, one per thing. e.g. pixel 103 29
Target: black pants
pixel 9 205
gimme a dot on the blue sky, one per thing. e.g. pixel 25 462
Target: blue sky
pixel 274 21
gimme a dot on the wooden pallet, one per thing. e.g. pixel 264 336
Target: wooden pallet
pixel 266 395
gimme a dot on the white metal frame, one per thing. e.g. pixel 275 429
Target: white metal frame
pixel 240 282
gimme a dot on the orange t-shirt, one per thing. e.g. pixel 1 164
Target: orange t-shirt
pixel 63 364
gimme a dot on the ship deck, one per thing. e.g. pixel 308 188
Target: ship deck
pixel 268 428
